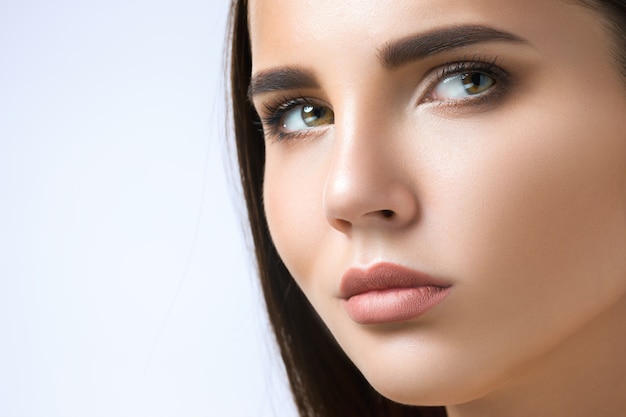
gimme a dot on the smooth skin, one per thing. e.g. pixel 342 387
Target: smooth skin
pixel 515 195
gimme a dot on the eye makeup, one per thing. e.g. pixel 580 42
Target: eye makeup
pixel 275 112
pixel 469 95
pixel 467 71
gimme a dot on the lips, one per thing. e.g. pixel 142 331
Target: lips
pixel 387 293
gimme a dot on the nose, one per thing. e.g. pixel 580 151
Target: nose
pixel 369 183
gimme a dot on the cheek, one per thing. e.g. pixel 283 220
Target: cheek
pixel 534 225
pixel 293 206
pixel 529 221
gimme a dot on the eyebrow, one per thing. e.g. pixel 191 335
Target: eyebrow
pixel 279 79
pixel 413 48
pixel 392 55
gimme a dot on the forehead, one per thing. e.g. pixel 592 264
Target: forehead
pixel 308 32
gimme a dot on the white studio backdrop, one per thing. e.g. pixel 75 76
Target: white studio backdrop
pixel 126 286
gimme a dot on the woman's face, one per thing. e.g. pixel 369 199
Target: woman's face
pixel 481 143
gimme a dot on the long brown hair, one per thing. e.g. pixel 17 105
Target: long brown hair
pixel 323 380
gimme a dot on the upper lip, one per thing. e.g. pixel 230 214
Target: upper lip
pixel 383 276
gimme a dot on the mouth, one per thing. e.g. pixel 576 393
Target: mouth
pixel 388 293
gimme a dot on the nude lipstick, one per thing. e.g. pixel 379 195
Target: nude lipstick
pixel 387 293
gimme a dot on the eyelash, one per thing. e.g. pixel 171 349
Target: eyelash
pixel 277 108
pixel 483 65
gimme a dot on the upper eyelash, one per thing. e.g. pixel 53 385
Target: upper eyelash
pixel 277 108
pixel 475 63
pixel 487 66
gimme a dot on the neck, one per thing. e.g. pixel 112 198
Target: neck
pixel 584 376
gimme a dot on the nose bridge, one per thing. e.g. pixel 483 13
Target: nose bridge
pixel 366 183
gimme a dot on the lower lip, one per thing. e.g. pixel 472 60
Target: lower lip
pixel 393 304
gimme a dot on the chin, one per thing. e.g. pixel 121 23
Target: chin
pixel 430 393
pixel 427 387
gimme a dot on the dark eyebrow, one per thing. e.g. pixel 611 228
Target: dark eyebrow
pixel 392 55
pixel 412 48
pixel 282 78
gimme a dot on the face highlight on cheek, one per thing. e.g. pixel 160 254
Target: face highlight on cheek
pixel 480 164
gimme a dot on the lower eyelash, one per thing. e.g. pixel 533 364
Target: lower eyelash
pixel 277 108
pixel 275 111
pixel 488 66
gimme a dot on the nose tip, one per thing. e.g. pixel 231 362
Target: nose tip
pixel 377 201
pixel 371 178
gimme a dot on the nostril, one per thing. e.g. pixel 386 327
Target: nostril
pixel 387 213
pixel 342 224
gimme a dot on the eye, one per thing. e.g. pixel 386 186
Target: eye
pixel 463 85
pixel 306 116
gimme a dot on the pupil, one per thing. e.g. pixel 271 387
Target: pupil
pixel 476 82
pixel 312 114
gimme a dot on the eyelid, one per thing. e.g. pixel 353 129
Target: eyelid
pixel 274 110
pixel 485 65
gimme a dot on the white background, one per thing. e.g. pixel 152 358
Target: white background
pixel 126 288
